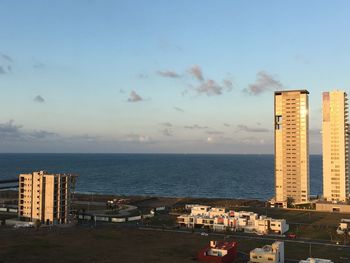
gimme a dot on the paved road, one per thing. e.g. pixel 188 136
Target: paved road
pixel 125 212
pixel 255 237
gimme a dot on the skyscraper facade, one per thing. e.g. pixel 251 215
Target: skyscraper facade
pixel 292 146
pixel 335 139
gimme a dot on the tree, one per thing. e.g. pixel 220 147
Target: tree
pixel 290 202
pixel 37 223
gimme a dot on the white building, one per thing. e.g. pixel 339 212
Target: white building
pixel 316 260
pixel 199 209
pixel 219 219
pixel 268 254
pixel 335 140
pixel 344 227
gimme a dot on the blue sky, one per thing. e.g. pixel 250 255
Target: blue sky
pixel 159 76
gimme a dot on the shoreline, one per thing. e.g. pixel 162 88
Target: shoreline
pixel 166 200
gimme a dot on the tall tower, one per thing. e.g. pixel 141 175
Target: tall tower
pixel 292 146
pixel 335 139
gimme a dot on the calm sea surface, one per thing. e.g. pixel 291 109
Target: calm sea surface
pixel 229 176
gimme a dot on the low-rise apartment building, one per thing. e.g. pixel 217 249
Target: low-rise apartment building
pixel 219 219
pixel 268 254
pixel 218 252
pixel 45 197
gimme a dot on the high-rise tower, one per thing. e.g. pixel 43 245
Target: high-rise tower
pixel 292 146
pixel 335 139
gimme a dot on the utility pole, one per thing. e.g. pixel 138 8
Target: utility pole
pixel 310 250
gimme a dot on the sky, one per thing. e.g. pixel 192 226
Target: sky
pixel 163 76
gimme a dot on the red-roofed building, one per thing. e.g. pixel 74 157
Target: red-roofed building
pixel 218 252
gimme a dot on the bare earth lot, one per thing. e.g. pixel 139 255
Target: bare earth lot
pixel 116 244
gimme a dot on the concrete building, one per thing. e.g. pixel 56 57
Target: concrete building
pixel 44 197
pixel 291 147
pixel 344 227
pixel 335 140
pixel 338 207
pixel 268 254
pixel 219 219
pixel 316 260
pixel 218 252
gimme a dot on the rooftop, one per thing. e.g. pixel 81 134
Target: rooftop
pixel 286 91
pixel 220 245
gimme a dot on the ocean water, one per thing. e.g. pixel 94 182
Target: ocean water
pixel 214 176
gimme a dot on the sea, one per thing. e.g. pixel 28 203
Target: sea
pixel 171 175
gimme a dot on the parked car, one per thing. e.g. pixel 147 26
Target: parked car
pixel 204 234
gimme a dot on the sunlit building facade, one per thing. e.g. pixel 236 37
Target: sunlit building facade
pixel 335 139
pixel 45 197
pixel 291 146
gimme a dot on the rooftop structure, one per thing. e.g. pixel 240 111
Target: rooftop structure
pixel 45 197
pixel 271 254
pixel 316 260
pixel 218 251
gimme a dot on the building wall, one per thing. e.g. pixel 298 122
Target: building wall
pixel 329 207
pixel 292 146
pixel 335 146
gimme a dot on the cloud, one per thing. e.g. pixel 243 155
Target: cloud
pixel 196 72
pixel 2 70
pixel 227 125
pixel 43 134
pixel 264 82
pixel 134 97
pixel 215 132
pixel 9 128
pixel 166 124
pixel 11 131
pixel 168 74
pixel 178 109
pixel 196 127
pixel 167 132
pixel 39 65
pixel 210 88
pixel 228 84
pixel 142 76
pixel 7 57
pixel 6 63
pixel 252 141
pixel 39 99
pixel 245 128
pixel 136 138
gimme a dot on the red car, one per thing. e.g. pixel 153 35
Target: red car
pixel 292 236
